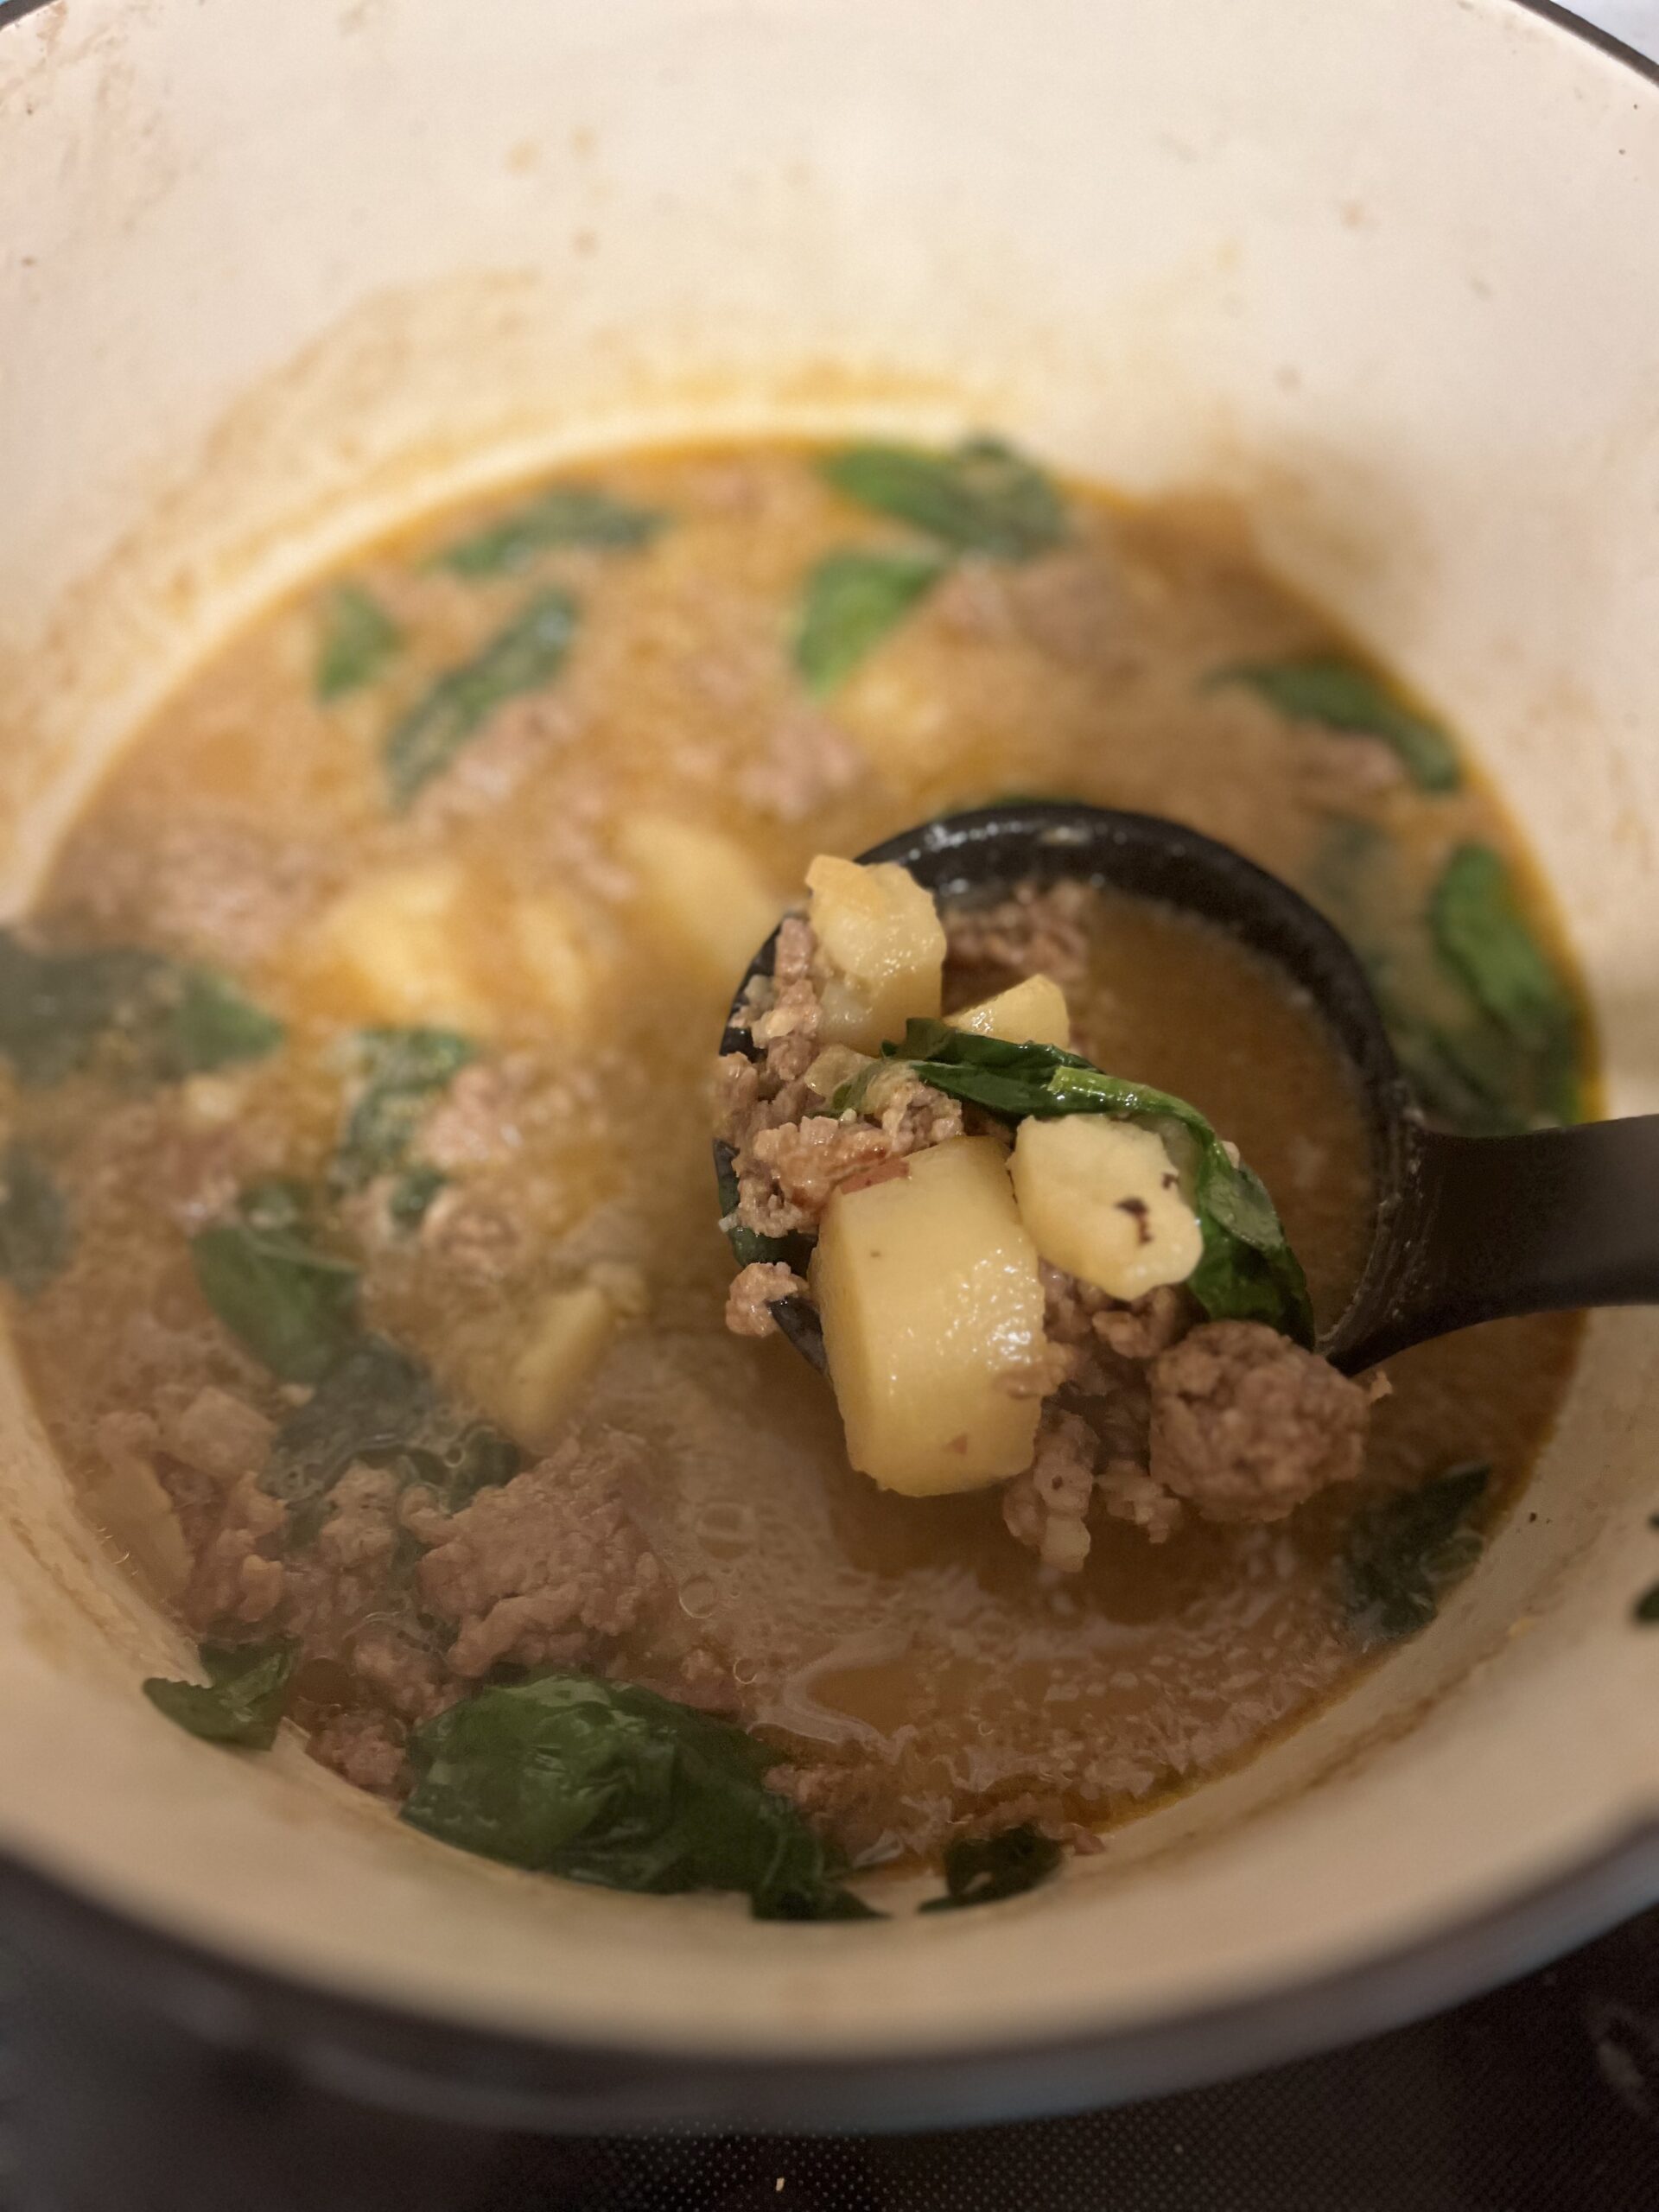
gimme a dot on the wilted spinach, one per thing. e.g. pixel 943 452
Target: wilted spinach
pixel 170 1019
pixel 1247 1271
pixel 570 514
pixel 293 1306
pixel 359 637
pixel 607 1782
pixel 372 1398
pixel 1483 939
pixel 243 1698
pixel 1470 1072
pixel 209 1025
pixel 34 1233
pixel 851 601
pixel 1404 1551
pixel 527 653
pixel 978 497
pixel 1331 688
pixel 402 1072
pixel 1646 1608
pixel 981 1869
pixel 378 1406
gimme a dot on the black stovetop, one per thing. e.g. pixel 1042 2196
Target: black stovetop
pixel 1544 2097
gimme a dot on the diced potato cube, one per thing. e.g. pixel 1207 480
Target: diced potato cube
pixel 928 1287
pixel 1102 1200
pixel 392 949
pixel 704 894
pixel 530 1383
pixel 880 951
pixel 550 950
pixel 1031 1013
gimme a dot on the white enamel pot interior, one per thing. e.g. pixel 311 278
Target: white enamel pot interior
pixel 1382 275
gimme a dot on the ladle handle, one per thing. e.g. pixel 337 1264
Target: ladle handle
pixel 1496 1226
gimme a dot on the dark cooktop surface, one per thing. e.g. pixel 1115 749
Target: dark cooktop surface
pixel 1544 2097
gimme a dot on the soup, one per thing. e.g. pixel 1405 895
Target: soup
pixel 358 1212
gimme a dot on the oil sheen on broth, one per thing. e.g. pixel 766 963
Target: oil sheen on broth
pixel 574 887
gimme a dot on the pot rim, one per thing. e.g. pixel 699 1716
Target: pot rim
pixel 385 2054
pixel 380 2053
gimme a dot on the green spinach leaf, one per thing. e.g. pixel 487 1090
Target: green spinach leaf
pixel 358 637
pixel 34 1233
pixel 1345 695
pixel 1482 936
pixel 528 653
pixel 55 1008
pixel 981 1869
pixel 980 497
pixel 403 1070
pixel 570 514
pixel 1405 1550
pixel 211 1025
pixel 243 1698
pixel 607 1782
pixel 850 603
pixel 372 1399
pixel 378 1406
pixel 294 1306
pixel 1247 1271
pixel 169 1019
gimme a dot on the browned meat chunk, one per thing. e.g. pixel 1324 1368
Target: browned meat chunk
pixel 1047 1507
pixel 236 1578
pixel 221 888
pixel 1037 932
pixel 808 762
pixel 218 1433
pixel 367 1747
pixel 341 1578
pixel 1079 1314
pixel 478 1122
pixel 748 1302
pixel 395 1668
pixel 1128 1492
pixel 474 1235
pixel 790 1174
pixel 848 1801
pixel 793 960
pixel 788 1031
pixel 549 1569
pixel 1246 1425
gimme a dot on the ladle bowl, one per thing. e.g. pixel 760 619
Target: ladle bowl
pixel 1465 1228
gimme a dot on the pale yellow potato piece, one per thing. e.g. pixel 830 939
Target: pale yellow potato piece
pixel 881 956
pixel 929 1291
pixel 394 948
pixel 1102 1199
pixel 701 893
pixel 558 966
pixel 1030 1013
pixel 529 1383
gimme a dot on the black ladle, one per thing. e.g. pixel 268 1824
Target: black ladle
pixel 1467 1228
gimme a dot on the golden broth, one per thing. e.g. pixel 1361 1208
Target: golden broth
pixel 912 1643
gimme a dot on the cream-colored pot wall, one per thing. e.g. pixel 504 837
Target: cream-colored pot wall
pixel 1384 273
